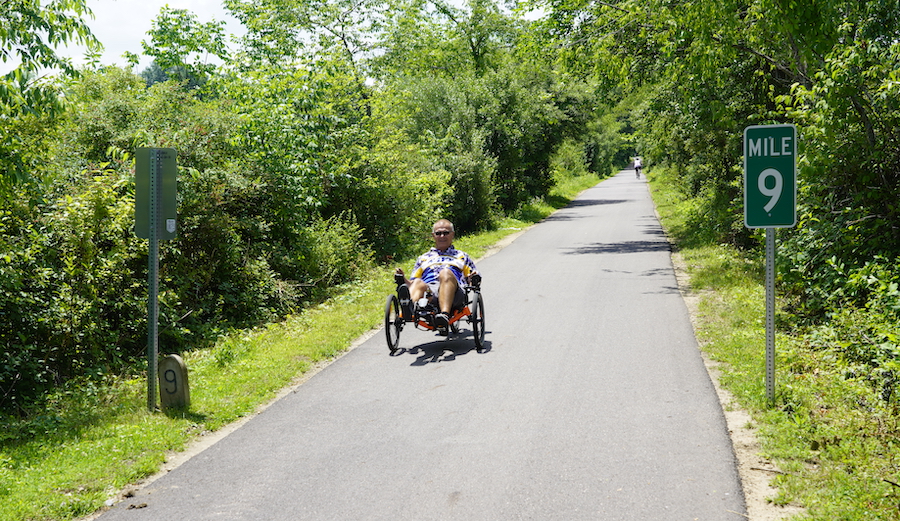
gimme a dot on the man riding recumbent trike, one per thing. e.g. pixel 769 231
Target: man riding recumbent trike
pixel 444 289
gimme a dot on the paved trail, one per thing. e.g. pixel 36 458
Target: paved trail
pixel 591 401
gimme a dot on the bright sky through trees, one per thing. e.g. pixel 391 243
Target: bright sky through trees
pixel 120 25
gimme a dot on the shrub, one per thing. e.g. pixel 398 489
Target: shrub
pixel 394 192
pixel 73 303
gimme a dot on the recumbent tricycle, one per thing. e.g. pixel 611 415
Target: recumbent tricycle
pixel 400 310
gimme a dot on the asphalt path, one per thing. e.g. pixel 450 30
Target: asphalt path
pixel 589 401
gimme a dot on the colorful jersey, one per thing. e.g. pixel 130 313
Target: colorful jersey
pixel 432 262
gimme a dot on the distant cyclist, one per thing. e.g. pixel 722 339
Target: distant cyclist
pixel 637 166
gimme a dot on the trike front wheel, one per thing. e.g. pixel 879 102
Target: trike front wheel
pixel 393 323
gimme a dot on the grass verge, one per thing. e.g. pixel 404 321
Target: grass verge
pixel 829 431
pixel 93 439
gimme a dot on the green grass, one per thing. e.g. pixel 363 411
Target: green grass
pixel 835 439
pixel 92 440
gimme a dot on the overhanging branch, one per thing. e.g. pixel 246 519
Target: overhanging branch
pixel 775 63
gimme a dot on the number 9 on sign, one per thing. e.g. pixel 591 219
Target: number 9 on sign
pixel 171 378
pixel 774 193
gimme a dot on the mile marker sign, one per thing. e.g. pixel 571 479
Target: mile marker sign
pixel 770 202
pixel 770 176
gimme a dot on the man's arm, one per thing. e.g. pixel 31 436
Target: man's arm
pixel 469 268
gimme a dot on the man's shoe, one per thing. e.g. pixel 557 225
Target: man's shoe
pixel 442 321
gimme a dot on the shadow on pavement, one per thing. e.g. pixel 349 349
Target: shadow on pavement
pixel 622 247
pixel 561 215
pixel 595 202
pixel 444 350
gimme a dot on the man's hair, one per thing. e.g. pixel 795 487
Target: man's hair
pixel 441 222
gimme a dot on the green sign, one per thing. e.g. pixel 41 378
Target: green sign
pixel 770 176
pixel 155 172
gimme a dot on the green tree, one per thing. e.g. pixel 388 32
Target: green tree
pixel 493 109
pixel 31 32
pixel 483 30
pixel 29 35
pixel 183 47
pixel 154 74
pixel 416 41
pixel 338 33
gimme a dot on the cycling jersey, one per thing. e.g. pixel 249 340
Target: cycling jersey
pixel 432 262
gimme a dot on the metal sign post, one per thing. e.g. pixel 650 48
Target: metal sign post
pixel 770 315
pixel 770 202
pixel 155 201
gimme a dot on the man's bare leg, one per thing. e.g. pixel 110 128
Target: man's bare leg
pixel 417 289
pixel 447 290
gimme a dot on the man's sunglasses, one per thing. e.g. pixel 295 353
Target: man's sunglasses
pixel 441 233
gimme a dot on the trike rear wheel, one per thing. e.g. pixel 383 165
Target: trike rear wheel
pixel 477 319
